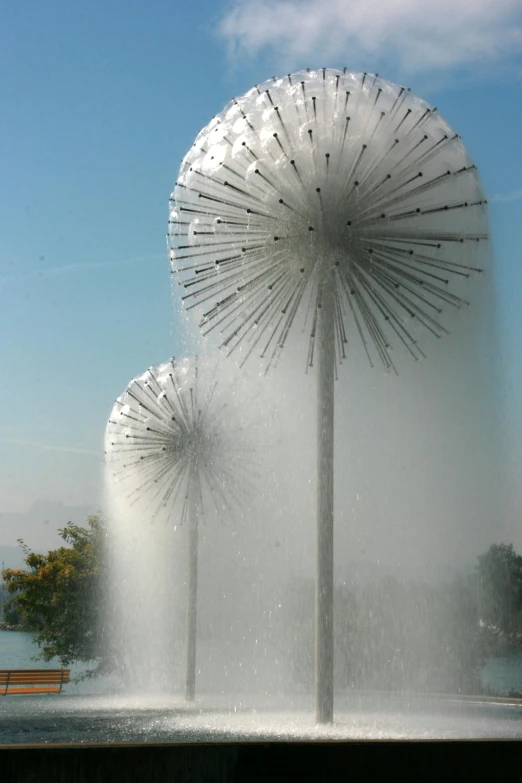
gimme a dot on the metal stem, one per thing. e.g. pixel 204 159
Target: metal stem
pixel 192 596
pixel 325 529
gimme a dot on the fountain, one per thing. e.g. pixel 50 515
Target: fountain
pixel 180 446
pixel 326 216
pixel 341 202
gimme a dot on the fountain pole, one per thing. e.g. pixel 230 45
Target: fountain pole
pixel 325 511
pixel 192 588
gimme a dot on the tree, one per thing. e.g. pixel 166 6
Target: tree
pixel 60 595
pixel 10 614
pixel 500 575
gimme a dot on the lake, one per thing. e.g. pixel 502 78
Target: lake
pixel 86 713
pixel 17 651
pixel 499 675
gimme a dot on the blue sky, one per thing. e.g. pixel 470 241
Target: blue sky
pixel 101 100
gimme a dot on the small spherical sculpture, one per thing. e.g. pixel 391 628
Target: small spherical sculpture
pixel 337 205
pixel 176 439
pixel 172 425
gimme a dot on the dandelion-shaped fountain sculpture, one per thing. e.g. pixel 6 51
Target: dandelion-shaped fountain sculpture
pixel 341 202
pixel 178 437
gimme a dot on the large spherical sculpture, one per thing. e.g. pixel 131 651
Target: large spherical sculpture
pixel 345 206
pixel 176 440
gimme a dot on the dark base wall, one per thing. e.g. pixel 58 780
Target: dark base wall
pixel 273 762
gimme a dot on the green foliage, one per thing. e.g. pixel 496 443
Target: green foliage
pixel 500 574
pixel 10 613
pixel 60 595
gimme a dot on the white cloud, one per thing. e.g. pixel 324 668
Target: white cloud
pixel 503 197
pixel 414 35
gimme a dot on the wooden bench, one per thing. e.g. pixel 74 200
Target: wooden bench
pixel 35 680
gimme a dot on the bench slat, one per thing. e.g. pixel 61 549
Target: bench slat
pixel 32 690
pixel 39 681
pixel 34 674
pixel 31 671
pixel 42 678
